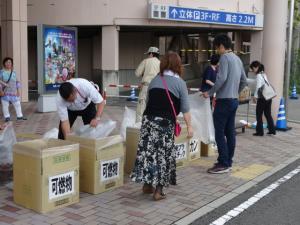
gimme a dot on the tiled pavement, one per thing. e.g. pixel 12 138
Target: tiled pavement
pixel 127 205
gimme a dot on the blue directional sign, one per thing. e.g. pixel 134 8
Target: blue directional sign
pixel 207 16
pixel 196 15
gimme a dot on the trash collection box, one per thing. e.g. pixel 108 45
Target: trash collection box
pixel 207 150
pixel 46 174
pixel 101 163
pixel 132 139
pixel 7 140
pixel 194 149
pixel 182 148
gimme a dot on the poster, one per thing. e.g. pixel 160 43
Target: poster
pixel 61 185
pixel 194 146
pixel 181 151
pixel 109 169
pixel 60 53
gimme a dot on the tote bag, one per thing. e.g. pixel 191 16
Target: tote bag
pixel 267 90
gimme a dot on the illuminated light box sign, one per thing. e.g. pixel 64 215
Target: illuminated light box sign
pixel 58 54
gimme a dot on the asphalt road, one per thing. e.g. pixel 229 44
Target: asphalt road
pixel 280 207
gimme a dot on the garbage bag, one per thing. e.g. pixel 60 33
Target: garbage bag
pixel 53 133
pixel 103 130
pixel 7 141
pixel 202 120
pixel 129 118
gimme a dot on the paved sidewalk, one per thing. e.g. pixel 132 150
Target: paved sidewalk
pixel 127 205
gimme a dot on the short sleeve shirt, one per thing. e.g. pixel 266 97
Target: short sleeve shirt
pixel 86 93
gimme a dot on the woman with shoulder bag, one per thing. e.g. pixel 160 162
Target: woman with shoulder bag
pixel 155 164
pixel 10 87
pixel 263 106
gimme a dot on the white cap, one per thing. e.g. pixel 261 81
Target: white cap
pixel 152 50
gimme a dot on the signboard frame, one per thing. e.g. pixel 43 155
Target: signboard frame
pixel 163 12
pixel 42 89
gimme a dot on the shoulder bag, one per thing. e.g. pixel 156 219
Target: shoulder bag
pixel 177 129
pixel 3 88
pixel 267 91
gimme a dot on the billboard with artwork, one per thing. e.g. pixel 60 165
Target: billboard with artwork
pixel 58 50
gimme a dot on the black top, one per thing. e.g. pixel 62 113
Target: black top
pixel 158 103
pixel 209 74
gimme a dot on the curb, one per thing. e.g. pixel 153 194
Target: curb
pixel 234 193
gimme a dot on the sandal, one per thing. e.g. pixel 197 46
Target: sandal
pixel 148 189
pixel 159 196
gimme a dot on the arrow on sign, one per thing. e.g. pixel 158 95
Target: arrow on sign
pixel 174 13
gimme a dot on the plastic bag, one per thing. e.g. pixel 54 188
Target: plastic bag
pixel 53 133
pixel 129 118
pixel 101 131
pixel 202 120
pixel 7 141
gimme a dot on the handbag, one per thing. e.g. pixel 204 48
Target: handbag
pixel 177 129
pixel 267 91
pixel 3 88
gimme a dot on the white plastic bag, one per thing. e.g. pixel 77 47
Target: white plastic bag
pixel 129 118
pixel 202 120
pixel 53 133
pixel 101 131
pixel 7 140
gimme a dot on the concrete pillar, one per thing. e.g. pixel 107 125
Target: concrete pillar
pixel 14 39
pixel 274 45
pixel 97 59
pixel 203 45
pixel 256 45
pixel 110 58
pixel 237 42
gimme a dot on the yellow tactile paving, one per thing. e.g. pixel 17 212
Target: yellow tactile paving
pixel 203 162
pixel 237 169
pixel 250 172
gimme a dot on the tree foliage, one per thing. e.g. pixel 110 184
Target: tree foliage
pixel 296 13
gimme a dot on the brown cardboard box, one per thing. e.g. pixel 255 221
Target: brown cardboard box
pixel 46 174
pixel 207 150
pixel 194 149
pixel 101 163
pixel 182 150
pixel 132 139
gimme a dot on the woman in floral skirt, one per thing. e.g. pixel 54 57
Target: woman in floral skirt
pixel 155 164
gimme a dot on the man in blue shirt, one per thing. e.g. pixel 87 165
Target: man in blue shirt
pixel 230 81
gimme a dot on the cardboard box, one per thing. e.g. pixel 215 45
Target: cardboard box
pixel 182 148
pixel 46 174
pixel 132 139
pixel 101 163
pixel 194 149
pixel 207 150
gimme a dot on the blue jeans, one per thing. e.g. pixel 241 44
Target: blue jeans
pixel 224 122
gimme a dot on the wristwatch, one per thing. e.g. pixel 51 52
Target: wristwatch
pixel 98 118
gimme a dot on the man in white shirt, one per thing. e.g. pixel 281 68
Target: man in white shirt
pixel 78 97
pixel 147 69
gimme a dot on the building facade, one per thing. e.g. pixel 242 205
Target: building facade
pixel 114 34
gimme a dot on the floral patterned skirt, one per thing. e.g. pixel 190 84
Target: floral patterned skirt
pixel 155 161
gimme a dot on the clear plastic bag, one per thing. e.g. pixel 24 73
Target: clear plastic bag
pixel 103 130
pixel 7 141
pixel 129 118
pixel 53 133
pixel 202 120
